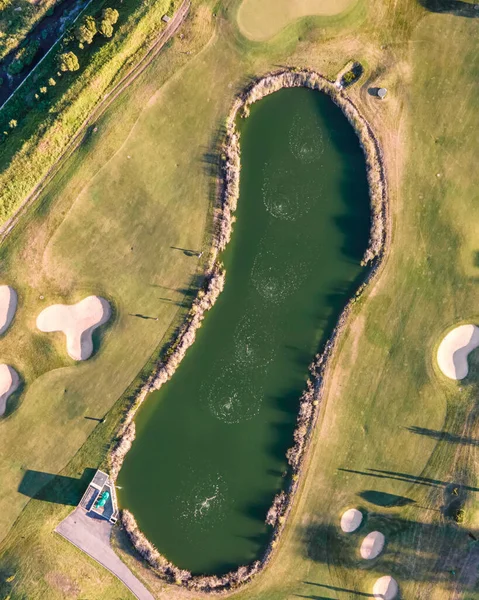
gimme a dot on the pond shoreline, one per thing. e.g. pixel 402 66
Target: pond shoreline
pixel 310 400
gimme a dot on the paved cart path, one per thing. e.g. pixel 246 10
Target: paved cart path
pixel 92 535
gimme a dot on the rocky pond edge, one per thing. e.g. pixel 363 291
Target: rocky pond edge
pixel 310 401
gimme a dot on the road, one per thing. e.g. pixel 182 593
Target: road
pixel 92 535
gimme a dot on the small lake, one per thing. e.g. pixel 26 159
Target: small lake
pixel 209 455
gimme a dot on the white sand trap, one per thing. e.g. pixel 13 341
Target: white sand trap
pixel 454 349
pixel 351 520
pixel 8 306
pixel 9 382
pixel 77 321
pixel 372 545
pixel 386 588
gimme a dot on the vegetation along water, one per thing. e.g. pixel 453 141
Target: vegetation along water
pixel 209 454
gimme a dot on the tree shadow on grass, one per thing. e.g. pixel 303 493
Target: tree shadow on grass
pixel 385 499
pixel 452 7
pixel 335 588
pixel 58 489
pixel 405 477
pixel 444 436
pixel 416 551
pixel 314 597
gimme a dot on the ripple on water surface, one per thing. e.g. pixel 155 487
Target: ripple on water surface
pixel 254 342
pixel 275 275
pixel 232 398
pixel 285 205
pixel 202 501
pixel 305 141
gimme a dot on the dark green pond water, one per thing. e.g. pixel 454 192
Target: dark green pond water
pixel 209 455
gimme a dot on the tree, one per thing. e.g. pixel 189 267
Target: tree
pixel 12 124
pixel 106 29
pixel 86 31
pixel 51 81
pixel 111 15
pixel 69 62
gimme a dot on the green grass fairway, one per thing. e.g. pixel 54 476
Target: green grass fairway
pixel 390 425
pixel 260 20
pixel 128 252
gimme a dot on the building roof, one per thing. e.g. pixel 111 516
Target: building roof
pixel 99 480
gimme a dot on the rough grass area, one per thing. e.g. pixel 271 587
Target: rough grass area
pixel 395 438
pixel 260 20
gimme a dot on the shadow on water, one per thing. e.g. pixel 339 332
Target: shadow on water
pixel 58 489
pixel 452 7
pixel 354 184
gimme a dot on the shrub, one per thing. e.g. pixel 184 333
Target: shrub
pixel 111 15
pixel 86 31
pixel 106 29
pixel 109 18
pixel 349 77
pixel 69 62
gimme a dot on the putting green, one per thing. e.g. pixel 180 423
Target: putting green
pixel 260 20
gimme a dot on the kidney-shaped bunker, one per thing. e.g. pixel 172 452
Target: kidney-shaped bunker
pixel 9 382
pixel 77 321
pixel 454 349
pixel 8 306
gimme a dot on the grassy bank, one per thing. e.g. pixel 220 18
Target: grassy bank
pixel 16 24
pixel 47 115
pixel 142 183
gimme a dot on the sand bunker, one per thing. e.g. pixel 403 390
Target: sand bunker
pixel 351 520
pixel 385 588
pixel 77 321
pixel 8 306
pixel 9 382
pixel 372 545
pixel 454 349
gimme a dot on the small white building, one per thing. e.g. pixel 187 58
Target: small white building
pixel 99 485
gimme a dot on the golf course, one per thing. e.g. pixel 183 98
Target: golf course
pixel 103 265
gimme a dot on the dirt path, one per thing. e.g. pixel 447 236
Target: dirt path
pixel 155 48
